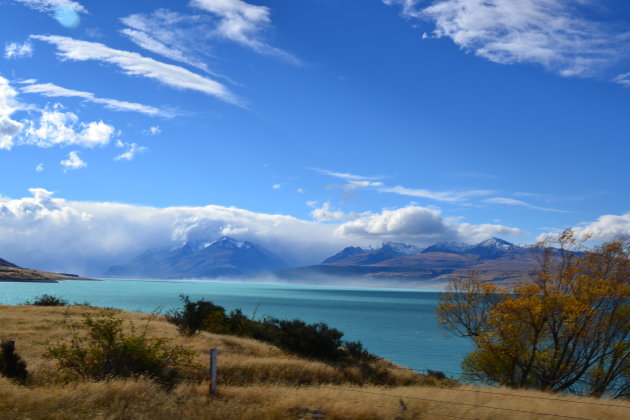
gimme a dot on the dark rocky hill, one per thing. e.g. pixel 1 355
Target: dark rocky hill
pixel 11 272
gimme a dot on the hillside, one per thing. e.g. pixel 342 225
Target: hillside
pixel 11 272
pixel 255 381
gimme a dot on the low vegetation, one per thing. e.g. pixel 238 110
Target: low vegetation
pixel 47 300
pixel 256 380
pixel 315 341
pixel 100 349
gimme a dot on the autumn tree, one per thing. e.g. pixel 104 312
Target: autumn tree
pixel 567 330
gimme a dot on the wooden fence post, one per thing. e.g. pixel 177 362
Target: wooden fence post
pixel 213 372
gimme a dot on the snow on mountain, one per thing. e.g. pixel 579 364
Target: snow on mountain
pixel 402 248
pixel 448 247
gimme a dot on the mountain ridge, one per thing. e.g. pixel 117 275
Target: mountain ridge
pixel 493 259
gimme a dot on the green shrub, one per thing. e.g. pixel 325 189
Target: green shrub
pixel 107 351
pixel 11 364
pixel 196 316
pixel 317 341
pixel 47 300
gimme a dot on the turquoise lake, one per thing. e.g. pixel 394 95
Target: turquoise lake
pixel 399 325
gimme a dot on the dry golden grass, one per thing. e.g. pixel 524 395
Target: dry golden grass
pixel 255 382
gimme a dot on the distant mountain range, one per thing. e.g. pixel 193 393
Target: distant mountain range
pixel 201 259
pixel 11 272
pixel 493 260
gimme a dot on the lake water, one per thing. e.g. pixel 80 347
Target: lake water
pixel 399 325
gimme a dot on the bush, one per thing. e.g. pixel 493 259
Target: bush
pixel 47 300
pixel 317 341
pixel 196 316
pixel 11 364
pixel 107 351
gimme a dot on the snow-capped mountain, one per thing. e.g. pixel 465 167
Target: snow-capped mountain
pixel 201 259
pixel 402 248
pixel 495 259
pixel 448 247
pixel 362 256
pixel 493 248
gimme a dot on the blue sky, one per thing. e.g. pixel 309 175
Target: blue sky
pixel 308 125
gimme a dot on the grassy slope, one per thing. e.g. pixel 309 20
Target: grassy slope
pixel 245 369
pixel 26 274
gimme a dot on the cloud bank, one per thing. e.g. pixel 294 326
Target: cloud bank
pixel 419 225
pixel 50 233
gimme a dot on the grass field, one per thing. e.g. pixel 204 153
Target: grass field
pixel 256 381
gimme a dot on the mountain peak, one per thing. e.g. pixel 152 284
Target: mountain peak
pixel 494 242
pixel 345 253
pixel 448 247
pixel 402 248
pixel 493 248
pixel 226 242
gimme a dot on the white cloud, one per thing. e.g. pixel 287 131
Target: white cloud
pixel 152 131
pixel 347 176
pixel 326 213
pixel 8 105
pixel 444 196
pixel 552 33
pixel 53 91
pixel 52 5
pixel 58 128
pixel 243 23
pixel 53 126
pixel 17 50
pixel 135 64
pixel 169 34
pixel 623 79
pixel 73 162
pixel 354 182
pixel 608 227
pixel 513 202
pixel 39 167
pixel 276 186
pixel 419 225
pixel 132 150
